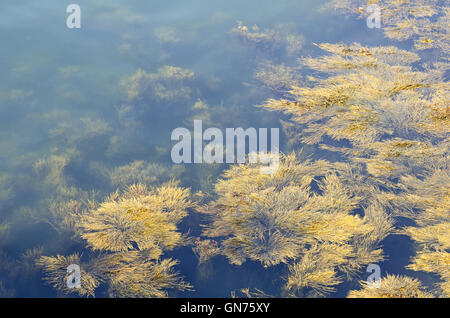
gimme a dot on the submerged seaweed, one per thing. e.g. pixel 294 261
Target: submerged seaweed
pixel 392 286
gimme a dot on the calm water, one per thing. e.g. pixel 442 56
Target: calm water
pixel 60 93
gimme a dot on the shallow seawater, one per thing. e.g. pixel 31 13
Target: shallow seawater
pixel 64 97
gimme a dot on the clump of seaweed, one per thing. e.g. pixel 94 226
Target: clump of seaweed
pixel 379 109
pixel 388 111
pixel 392 286
pixel 135 274
pixel 424 21
pixel 425 200
pixel 247 292
pixel 373 107
pixel 51 169
pixel 270 40
pixel 205 249
pixel 129 231
pixel 278 78
pixel 143 172
pixel 56 274
pixel 304 213
pixel 62 208
pixel 128 274
pixel 169 83
pixel 29 258
pixel 262 38
pixel 220 115
pixel 139 218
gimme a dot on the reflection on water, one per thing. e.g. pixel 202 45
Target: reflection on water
pixel 86 175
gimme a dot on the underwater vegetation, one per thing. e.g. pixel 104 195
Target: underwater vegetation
pixel 392 286
pixel 270 40
pixel 143 172
pixel 256 293
pixel 426 22
pixel 304 216
pixel 364 163
pixel 141 218
pixel 369 95
pixel 70 132
pixel 167 84
pixel 277 77
pixel 129 232
pixel 254 35
pixel 426 201
pixel 205 249
pixel 60 201
pixel 394 118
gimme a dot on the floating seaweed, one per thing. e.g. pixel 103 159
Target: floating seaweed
pixel 392 286
pixel 247 292
pixel 303 213
pixel 270 40
pixel 56 274
pixel 266 39
pixel 130 231
pixel 380 115
pixel 426 200
pixel 138 218
pixel 424 21
pixel 278 78
pixel 167 35
pixel 394 117
pixel 205 249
